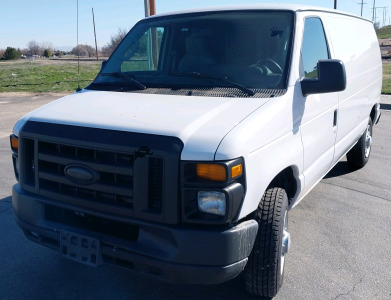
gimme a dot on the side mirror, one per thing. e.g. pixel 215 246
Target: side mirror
pixel 331 78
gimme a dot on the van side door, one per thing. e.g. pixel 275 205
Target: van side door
pixel 318 126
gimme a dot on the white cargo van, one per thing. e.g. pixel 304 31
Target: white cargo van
pixel 204 128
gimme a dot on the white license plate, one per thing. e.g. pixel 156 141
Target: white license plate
pixel 81 248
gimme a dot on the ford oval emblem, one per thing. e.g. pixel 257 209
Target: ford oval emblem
pixel 81 174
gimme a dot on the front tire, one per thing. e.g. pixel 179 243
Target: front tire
pixel 264 272
pixel 358 156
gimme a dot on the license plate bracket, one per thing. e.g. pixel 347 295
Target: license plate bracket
pixel 81 248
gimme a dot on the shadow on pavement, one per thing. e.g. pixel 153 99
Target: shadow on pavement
pixel 5 204
pixel 7 199
pixel 339 169
pixel 385 106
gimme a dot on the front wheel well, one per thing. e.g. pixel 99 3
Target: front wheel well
pixel 286 180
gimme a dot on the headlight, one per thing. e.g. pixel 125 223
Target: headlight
pixel 212 202
pixel 212 192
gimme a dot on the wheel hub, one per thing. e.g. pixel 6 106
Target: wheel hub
pixel 286 242
pixel 368 142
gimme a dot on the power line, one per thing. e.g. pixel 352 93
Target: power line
pixel 375 10
pixel 384 15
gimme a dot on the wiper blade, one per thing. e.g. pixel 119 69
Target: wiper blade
pixel 128 77
pixel 224 79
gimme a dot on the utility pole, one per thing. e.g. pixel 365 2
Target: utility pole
pixel 150 8
pixel 335 4
pixel 96 44
pixel 146 6
pixel 373 13
pixel 384 16
pixel 362 4
pixel 152 40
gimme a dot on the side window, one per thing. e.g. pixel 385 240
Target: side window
pixel 314 46
pixel 144 54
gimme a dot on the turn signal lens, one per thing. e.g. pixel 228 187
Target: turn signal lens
pixel 14 143
pixel 236 171
pixel 211 172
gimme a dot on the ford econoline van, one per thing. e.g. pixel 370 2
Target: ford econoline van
pixel 183 157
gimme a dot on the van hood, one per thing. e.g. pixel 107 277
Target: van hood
pixel 200 122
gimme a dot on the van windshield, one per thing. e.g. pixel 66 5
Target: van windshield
pixel 239 52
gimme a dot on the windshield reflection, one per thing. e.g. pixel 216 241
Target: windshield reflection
pixel 242 49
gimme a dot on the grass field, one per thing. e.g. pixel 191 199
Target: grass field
pixel 48 76
pixel 386 78
pixel 45 76
pixel 384 32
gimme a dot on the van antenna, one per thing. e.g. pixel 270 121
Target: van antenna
pixel 78 49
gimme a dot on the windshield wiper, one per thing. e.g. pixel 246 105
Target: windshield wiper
pixel 128 77
pixel 224 79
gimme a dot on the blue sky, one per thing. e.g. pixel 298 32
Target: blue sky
pixel 54 21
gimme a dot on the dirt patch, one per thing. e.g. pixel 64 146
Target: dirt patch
pixel 384 42
pixel 28 94
pixel 385 48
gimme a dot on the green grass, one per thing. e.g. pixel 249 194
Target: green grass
pixel 45 76
pixel 48 76
pixel 386 78
pixel 384 32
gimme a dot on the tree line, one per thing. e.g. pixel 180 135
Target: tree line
pixel 47 50
pixel 33 49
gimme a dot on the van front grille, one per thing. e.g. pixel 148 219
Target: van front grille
pixel 114 185
pixel 120 173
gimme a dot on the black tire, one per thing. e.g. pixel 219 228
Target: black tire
pixel 264 272
pixel 358 156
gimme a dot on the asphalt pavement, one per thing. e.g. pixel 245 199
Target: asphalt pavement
pixel 341 238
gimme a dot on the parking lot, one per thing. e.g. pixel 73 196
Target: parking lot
pixel 341 238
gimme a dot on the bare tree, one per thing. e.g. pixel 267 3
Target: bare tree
pixel 114 42
pixel 34 48
pixel 47 46
pixel 25 51
pixel 83 50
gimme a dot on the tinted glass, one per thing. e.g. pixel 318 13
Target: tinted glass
pixel 249 48
pixel 143 54
pixel 314 46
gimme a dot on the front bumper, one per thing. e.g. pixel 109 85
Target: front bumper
pixel 175 254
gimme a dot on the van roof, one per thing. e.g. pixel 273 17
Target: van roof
pixel 288 7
